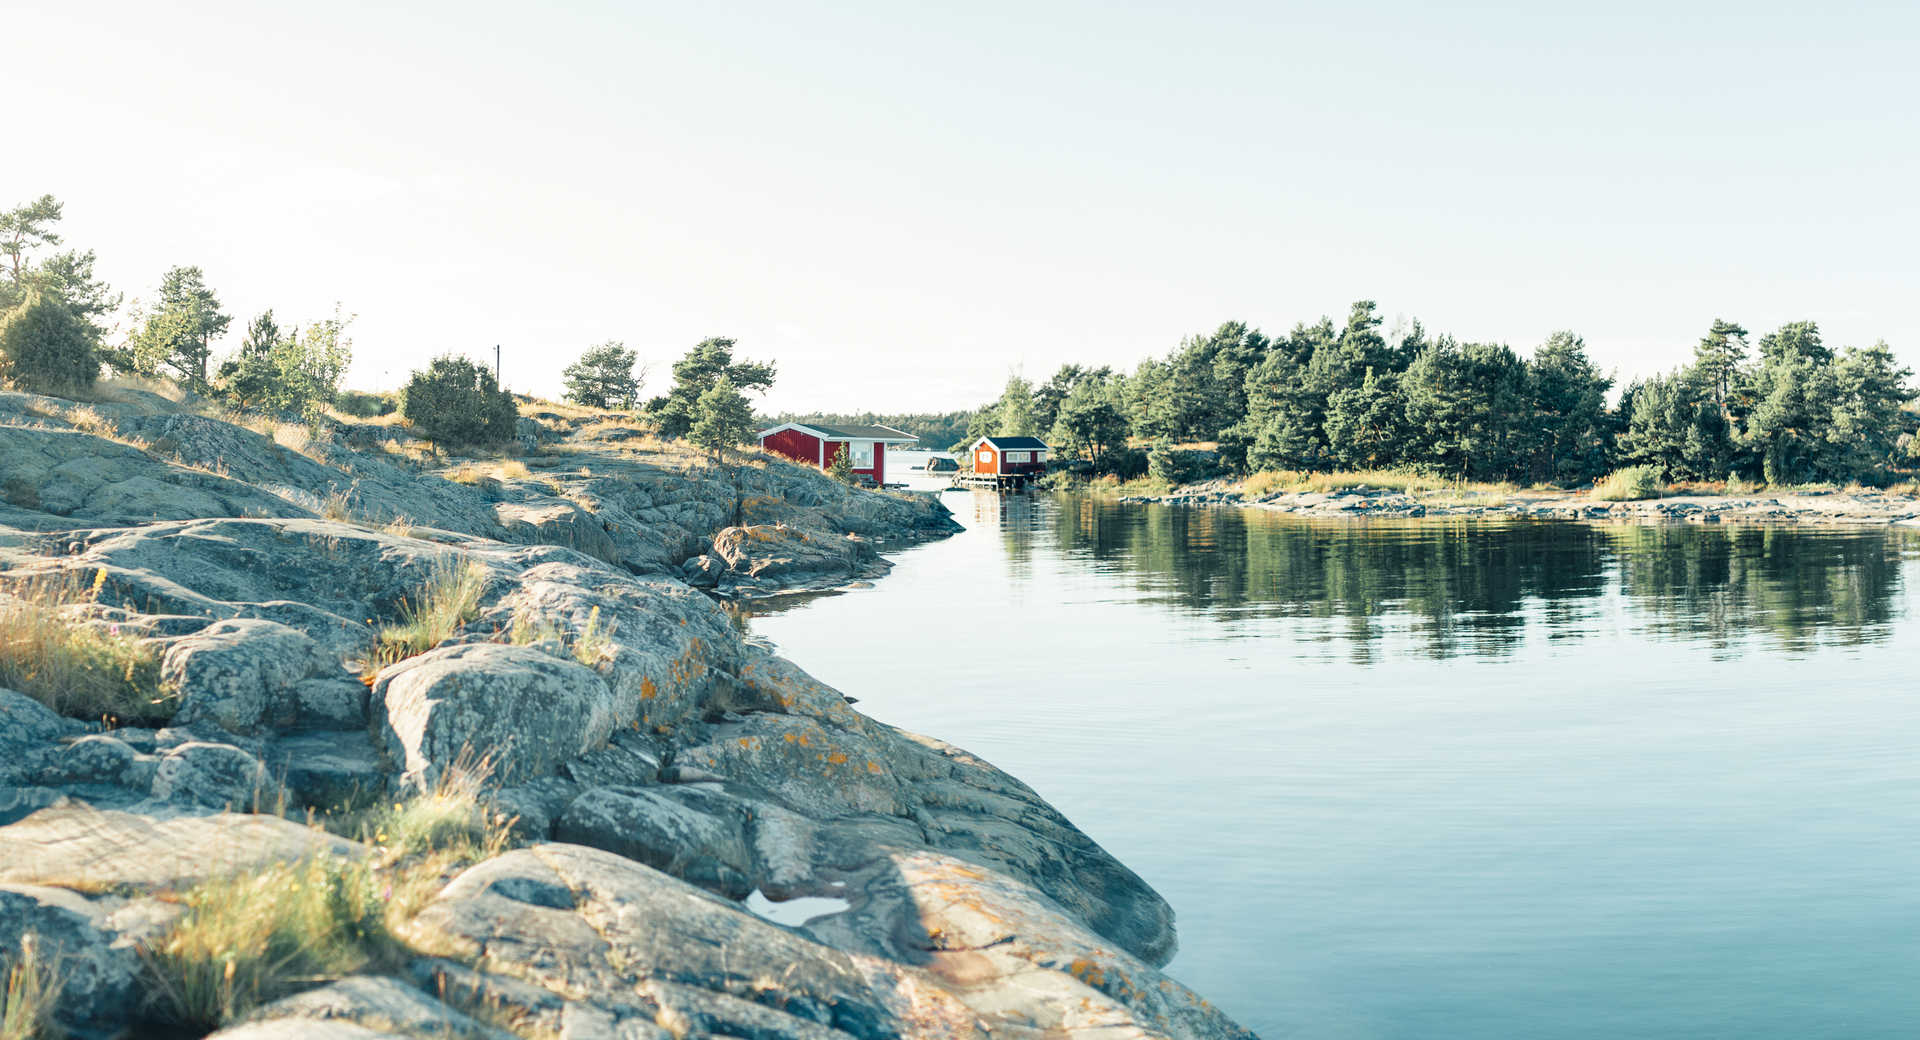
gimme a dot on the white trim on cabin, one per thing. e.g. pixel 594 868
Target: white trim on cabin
pixel 904 438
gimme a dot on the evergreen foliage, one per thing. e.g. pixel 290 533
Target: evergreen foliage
pixel 46 349
pixel 179 334
pixel 287 371
pixel 454 401
pixel 696 373
pixel 606 376
pixel 1357 396
pixel 65 276
pixel 723 419
pixel 840 467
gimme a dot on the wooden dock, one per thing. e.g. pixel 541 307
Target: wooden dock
pixel 994 481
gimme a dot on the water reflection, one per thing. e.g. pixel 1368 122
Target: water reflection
pixel 1471 588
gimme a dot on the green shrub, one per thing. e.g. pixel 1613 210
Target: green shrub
pixel 458 402
pixel 45 349
pixel 363 405
pixel 840 467
pixel 1630 484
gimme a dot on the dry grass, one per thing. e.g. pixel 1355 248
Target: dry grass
pixel 255 937
pixel 123 389
pixel 1409 482
pixel 450 599
pixel 250 939
pixel 89 671
pixel 592 646
pixel 1630 484
pixel 32 993
pixel 295 437
pixel 339 505
pixel 474 474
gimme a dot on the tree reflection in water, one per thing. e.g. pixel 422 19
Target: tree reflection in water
pixel 1475 588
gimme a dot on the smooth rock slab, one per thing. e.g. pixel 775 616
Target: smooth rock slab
pixel 378 1003
pixel 76 846
pixel 523 710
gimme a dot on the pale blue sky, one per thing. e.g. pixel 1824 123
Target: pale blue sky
pixel 958 192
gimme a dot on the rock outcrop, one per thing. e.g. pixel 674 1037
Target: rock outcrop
pixel 676 791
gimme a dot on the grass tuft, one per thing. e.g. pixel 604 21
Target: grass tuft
pixel 593 646
pixel 451 599
pixel 250 939
pixel 32 994
pixel 81 670
pixel 1630 484
pixel 256 937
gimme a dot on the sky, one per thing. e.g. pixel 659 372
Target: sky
pixel 901 204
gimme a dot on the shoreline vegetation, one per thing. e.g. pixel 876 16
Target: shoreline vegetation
pixel 1626 495
pixel 254 649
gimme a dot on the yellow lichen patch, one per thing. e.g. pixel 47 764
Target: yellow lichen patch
pixel 1087 971
pixel 838 758
pixel 873 767
pixel 790 738
pixel 647 688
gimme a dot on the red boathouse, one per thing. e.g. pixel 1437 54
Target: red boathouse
pixel 1024 457
pixel 818 443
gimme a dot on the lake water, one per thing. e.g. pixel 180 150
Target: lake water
pixel 1438 779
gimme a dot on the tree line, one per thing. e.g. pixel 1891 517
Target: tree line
pixel 1329 396
pixel 57 333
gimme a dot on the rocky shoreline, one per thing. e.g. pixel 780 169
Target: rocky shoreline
pixel 673 792
pixel 1866 508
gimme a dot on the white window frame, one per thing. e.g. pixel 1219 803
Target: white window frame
pixel 1017 457
pixel 854 454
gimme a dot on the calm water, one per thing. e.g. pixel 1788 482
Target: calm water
pixel 1448 780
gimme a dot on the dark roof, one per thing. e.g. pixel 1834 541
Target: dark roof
pixel 858 433
pixel 1018 443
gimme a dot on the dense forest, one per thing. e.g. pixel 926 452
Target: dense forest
pixel 1352 396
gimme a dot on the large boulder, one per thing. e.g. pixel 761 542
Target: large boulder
pixel 769 557
pixel 213 776
pixel 67 934
pixel 239 674
pixel 522 711
pixel 692 832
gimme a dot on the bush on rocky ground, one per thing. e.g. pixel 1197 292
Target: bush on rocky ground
pixel 455 401
pixel 45 349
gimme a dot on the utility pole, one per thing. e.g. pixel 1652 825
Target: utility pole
pixel 496 366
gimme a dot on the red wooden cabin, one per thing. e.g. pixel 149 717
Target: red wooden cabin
pixel 1010 456
pixel 818 443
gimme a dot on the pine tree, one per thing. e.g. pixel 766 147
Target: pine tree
pixel 722 419
pixel 605 376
